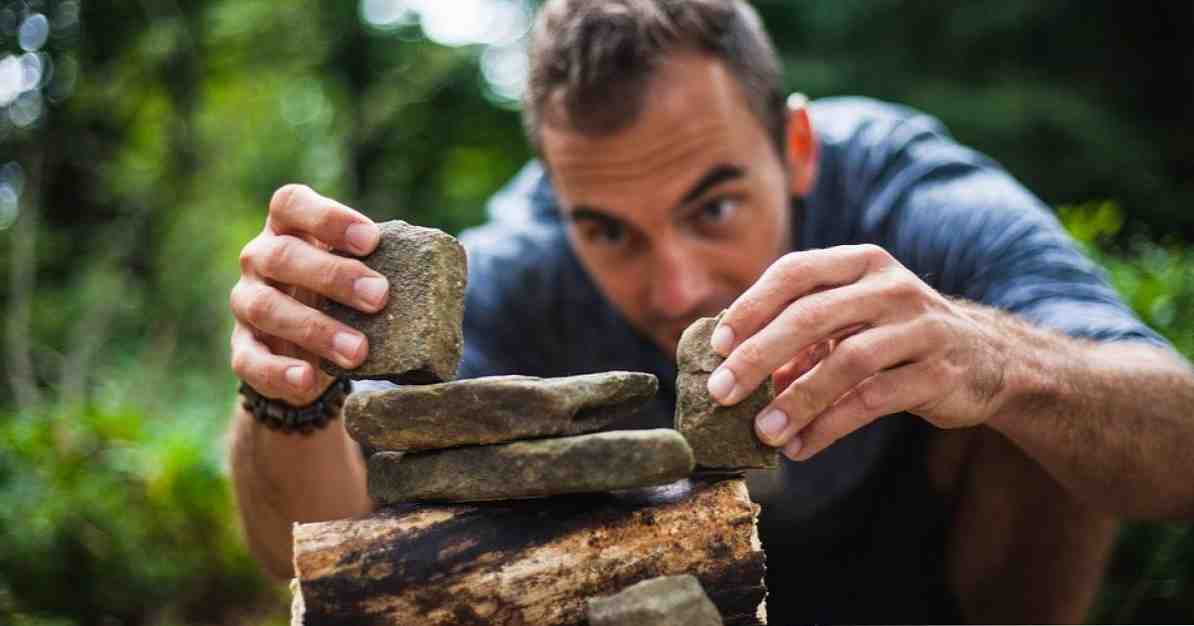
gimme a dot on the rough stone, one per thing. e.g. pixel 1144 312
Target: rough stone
pixel 662 601
pixel 494 409
pixel 722 437
pixel 620 459
pixel 418 336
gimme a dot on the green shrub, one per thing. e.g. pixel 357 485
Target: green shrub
pixel 1151 577
pixel 115 516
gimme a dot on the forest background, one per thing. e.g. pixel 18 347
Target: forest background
pixel 140 142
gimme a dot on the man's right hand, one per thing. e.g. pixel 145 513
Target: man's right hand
pixel 279 334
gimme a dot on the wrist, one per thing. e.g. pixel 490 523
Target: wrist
pixel 280 415
pixel 1034 377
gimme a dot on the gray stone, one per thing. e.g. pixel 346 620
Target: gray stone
pixel 620 459
pixel 418 336
pixel 494 409
pixel 663 601
pixel 722 437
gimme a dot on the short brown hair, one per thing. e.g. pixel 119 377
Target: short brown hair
pixel 599 55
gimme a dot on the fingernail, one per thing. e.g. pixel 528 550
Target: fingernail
pixel 362 238
pixel 371 290
pixel 296 377
pixel 347 346
pixel 772 423
pixel 793 447
pixel 721 384
pixel 722 339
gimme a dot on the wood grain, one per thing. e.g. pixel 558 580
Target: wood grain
pixel 529 562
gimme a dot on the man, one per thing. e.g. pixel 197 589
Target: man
pixel 869 264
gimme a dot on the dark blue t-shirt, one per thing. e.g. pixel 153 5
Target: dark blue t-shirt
pixel 855 534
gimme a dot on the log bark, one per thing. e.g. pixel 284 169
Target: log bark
pixel 529 562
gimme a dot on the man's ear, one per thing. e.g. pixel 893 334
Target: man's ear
pixel 802 146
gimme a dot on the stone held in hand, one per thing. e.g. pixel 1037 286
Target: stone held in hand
pixel 722 437
pixel 606 461
pixel 418 335
pixel 494 409
pixel 661 601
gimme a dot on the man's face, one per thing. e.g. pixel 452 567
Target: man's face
pixel 677 214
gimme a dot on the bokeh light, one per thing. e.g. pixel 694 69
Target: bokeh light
pixel 34 32
pixel 12 181
pixel 505 70
pixel 499 26
pixel 25 72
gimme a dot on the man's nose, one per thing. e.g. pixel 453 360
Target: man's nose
pixel 679 283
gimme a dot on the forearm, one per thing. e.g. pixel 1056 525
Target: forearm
pixel 1112 422
pixel 283 478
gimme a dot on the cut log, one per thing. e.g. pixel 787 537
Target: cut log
pixel 529 562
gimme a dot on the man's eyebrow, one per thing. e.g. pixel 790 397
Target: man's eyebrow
pixel 716 175
pixel 581 212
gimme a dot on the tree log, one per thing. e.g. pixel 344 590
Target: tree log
pixel 529 562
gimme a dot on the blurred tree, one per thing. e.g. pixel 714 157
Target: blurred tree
pixel 1080 100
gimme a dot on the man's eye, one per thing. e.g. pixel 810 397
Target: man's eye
pixel 719 210
pixel 609 233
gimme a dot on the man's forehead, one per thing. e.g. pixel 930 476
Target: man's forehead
pixel 692 112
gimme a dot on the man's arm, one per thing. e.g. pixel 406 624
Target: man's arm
pixel 284 478
pixel 1113 422
pixel 277 340
pixel 1105 419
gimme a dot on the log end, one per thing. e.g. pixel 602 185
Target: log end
pixel 297 609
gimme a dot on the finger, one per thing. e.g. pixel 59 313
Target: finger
pixel 791 277
pixel 800 364
pixel 272 375
pixel 810 319
pixel 900 389
pixel 291 261
pixel 298 209
pixel 856 359
pixel 272 312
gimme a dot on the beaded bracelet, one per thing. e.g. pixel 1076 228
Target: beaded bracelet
pixel 281 416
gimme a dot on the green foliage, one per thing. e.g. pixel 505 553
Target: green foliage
pixel 1151 578
pixel 1079 100
pixel 1155 278
pixel 112 516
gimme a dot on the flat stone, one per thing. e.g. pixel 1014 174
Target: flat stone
pixel 418 336
pixel 722 437
pixel 606 461
pixel 662 601
pixel 494 409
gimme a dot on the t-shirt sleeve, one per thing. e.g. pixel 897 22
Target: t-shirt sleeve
pixel 967 228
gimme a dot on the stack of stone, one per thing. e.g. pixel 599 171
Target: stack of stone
pixel 494 438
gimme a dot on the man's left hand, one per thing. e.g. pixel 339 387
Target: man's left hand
pixel 900 346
